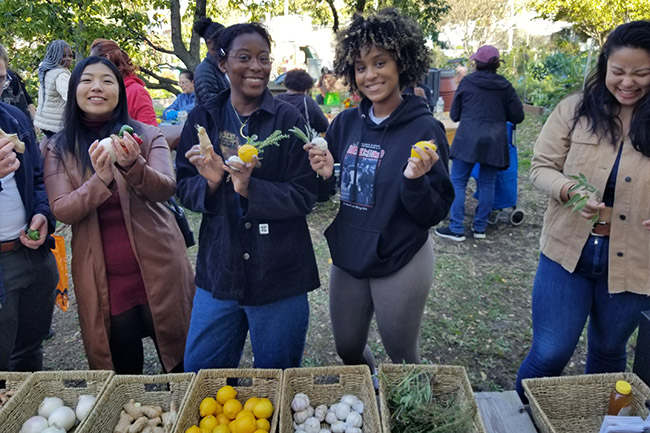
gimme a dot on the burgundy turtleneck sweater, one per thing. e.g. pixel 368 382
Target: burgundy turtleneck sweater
pixel 125 285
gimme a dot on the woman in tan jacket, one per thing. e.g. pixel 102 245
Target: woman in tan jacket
pixel 596 272
pixel 131 275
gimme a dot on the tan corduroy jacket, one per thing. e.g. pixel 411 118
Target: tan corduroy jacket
pixel 559 153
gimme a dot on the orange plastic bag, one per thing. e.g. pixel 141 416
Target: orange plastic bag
pixel 62 264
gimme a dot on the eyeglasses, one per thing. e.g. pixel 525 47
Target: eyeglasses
pixel 5 82
pixel 264 60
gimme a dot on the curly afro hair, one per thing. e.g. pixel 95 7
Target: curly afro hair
pixel 298 80
pixel 398 35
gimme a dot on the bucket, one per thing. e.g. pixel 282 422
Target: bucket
pixel 447 87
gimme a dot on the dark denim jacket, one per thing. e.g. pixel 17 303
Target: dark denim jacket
pixel 256 250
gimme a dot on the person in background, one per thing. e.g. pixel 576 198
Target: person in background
pixel 209 80
pixel 28 271
pixel 595 273
pixel 138 100
pixel 132 278
pixel 13 90
pixel 53 77
pixel 423 91
pixel 483 103
pixel 299 84
pixel 185 100
pixel 382 256
pixel 256 261
pixel 460 73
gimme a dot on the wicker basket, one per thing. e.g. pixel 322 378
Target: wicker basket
pixel 159 390
pixel 326 385
pixel 449 379
pixel 251 382
pixel 578 404
pixel 67 385
pixel 11 381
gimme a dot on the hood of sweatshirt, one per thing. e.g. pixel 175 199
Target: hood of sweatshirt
pixel 132 78
pixel 487 80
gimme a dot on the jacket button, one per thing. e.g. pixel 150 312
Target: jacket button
pixel 246 256
pixel 622 217
pixel 248 225
pixel 628 179
pixel 620 254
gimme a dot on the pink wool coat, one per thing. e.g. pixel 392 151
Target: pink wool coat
pixel 155 238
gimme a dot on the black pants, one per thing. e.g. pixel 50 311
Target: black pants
pixel 29 278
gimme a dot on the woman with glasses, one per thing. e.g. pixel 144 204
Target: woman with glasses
pixel 53 77
pixel 255 263
pixel 186 100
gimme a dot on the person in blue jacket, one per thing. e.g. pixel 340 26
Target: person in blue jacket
pixel 256 262
pixel 382 255
pixel 185 100
pixel 28 271
pixel 484 102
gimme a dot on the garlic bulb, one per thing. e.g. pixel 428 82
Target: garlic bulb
pixel 355 402
pixel 300 417
pixel 84 405
pixel 312 425
pixel 353 430
pixel 320 143
pixel 342 411
pixel 330 417
pixel 300 402
pixel 354 420
pixel 320 412
pixel 324 430
pixel 338 427
pixel 48 405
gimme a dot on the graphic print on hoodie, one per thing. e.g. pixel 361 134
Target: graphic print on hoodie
pixel 359 170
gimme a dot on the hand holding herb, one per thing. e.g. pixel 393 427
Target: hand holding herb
pixel 583 192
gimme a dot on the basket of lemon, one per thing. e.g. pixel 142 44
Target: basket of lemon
pixel 137 402
pixel 229 400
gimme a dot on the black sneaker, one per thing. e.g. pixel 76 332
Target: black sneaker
pixel 445 232
pixel 477 234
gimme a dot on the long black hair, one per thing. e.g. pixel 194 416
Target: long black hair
pixel 75 139
pixel 398 35
pixel 600 107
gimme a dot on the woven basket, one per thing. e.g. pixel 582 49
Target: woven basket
pixel 158 390
pixel 578 404
pixel 12 381
pixel 326 385
pixel 449 379
pixel 251 382
pixel 67 385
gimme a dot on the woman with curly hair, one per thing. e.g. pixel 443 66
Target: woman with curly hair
pixel 379 241
pixel 138 100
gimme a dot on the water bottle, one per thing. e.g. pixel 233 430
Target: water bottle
pixel 182 116
pixel 440 108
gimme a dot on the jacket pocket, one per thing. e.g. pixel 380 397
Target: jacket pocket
pixel 354 249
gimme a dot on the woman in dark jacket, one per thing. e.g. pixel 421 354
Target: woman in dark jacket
pixel 483 103
pixel 299 84
pixel 209 81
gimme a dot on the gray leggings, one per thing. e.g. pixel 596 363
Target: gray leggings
pixel 398 302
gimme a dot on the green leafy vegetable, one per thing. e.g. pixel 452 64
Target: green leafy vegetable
pixel 307 135
pixel 271 140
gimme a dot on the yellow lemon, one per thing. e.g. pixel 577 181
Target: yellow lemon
pixel 232 427
pixel 263 408
pixel 260 431
pixel 263 424
pixel 219 409
pixel 250 403
pixel 193 429
pixel 245 424
pixel 209 422
pixel 205 430
pixel 221 428
pixel 246 152
pixel 244 413
pixel 208 406
pixel 231 408
pixel 226 393
pixel 223 419
pixel 422 145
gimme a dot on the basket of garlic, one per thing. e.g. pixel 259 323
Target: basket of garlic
pixel 329 399
pixel 54 401
pixel 139 404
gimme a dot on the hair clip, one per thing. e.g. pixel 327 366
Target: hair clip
pixel 222 52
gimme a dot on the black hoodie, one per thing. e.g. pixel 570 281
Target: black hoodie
pixel 483 103
pixel 384 218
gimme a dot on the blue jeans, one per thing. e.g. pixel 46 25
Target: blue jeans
pixel 562 302
pixel 460 173
pixel 218 330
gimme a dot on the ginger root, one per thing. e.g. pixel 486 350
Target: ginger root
pixel 124 423
pixel 136 410
pixel 138 425
pixel 19 146
pixel 204 142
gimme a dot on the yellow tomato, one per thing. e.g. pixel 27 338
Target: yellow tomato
pixel 422 145
pixel 246 152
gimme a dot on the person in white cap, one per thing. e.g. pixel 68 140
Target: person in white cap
pixel 483 103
